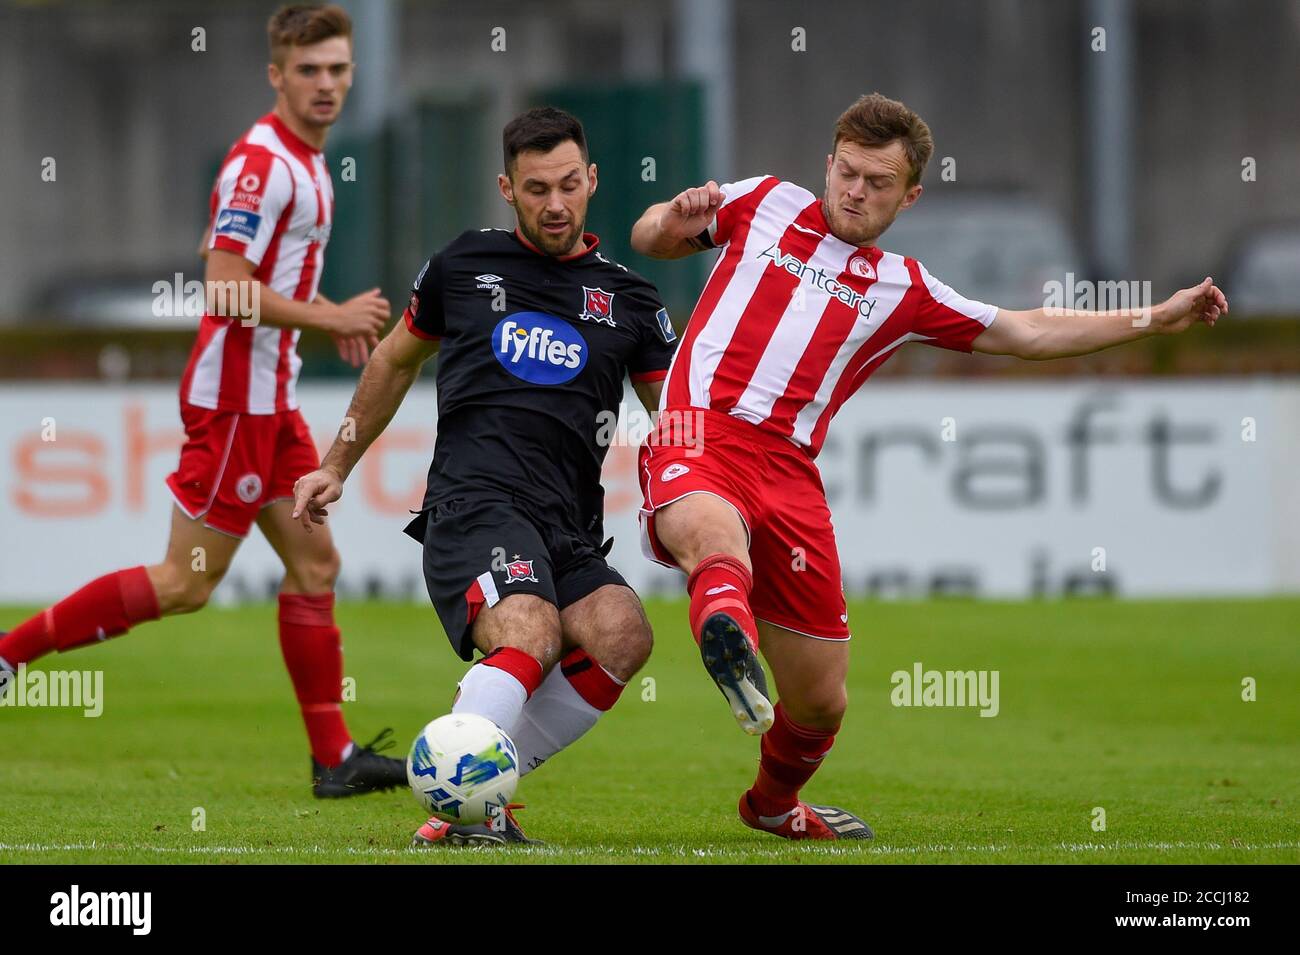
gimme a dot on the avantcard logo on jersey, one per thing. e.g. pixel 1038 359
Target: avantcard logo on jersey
pixel 539 348
pixel 820 280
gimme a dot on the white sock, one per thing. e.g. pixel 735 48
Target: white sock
pixel 493 693
pixel 554 717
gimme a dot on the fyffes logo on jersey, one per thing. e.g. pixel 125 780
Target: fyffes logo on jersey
pixel 539 348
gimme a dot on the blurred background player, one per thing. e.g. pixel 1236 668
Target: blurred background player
pixel 800 308
pixel 246 441
pixel 535 330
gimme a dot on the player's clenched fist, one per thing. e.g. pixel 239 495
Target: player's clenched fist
pixel 691 211
pixel 362 316
pixel 312 492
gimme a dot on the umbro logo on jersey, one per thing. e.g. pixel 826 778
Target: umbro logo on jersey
pixel 597 306
pixel 719 590
pixel 488 280
pixel 673 471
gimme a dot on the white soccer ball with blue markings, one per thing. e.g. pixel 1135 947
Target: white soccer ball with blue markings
pixel 462 768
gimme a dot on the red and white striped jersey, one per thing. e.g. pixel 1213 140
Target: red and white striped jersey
pixel 272 203
pixel 792 320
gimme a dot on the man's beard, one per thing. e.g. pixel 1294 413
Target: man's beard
pixel 855 231
pixel 552 244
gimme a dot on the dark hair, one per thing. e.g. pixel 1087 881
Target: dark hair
pixel 303 25
pixel 542 129
pixel 876 120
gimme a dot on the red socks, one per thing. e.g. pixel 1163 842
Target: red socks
pixel 590 680
pixel 105 607
pixel 313 654
pixel 721 583
pixel 791 754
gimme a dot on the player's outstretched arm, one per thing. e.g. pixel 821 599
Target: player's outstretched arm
pixel 388 376
pixel 1043 333
pixel 234 292
pixel 670 230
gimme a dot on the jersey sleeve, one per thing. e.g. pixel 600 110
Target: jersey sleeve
pixel 945 318
pixel 424 315
pixel 739 200
pixel 253 191
pixel 657 340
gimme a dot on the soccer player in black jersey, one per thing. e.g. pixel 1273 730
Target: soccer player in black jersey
pixel 535 331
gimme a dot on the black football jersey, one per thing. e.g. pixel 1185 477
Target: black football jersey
pixel 532 358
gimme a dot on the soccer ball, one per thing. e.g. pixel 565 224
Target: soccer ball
pixel 462 768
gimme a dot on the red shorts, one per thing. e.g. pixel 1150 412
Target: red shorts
pixel 234 464
pixel 778 492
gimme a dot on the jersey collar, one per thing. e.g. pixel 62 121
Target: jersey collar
pixel 300 148
pixel 590 238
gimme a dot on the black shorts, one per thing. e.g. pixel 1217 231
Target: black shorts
pixel 479 550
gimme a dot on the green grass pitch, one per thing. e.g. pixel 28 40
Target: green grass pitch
pixel 1132 707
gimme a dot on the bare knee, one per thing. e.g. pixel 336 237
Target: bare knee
pixel 314 573
pixel 698 526
pixel 629 647
pixel 523 621
pixel 181 590
pixel 818 707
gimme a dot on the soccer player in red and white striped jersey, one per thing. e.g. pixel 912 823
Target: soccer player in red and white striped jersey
pixel 246 441
pixel 801 307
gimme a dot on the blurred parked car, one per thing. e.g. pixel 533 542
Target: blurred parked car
pixel 1262 275
pixel 135 300
pixel 994 247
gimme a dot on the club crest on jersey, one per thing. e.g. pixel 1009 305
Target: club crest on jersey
pixel 249 488
pixel 859 266
pixel 519 570
pixel 597 306
pixel 674 471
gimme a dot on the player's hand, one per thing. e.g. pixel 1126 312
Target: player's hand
pixel 1200 303
pixel 312 492
pixel 362 316
pixel 691 211
pixel 355 350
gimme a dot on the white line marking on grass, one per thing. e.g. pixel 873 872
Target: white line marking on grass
pixel 698 852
